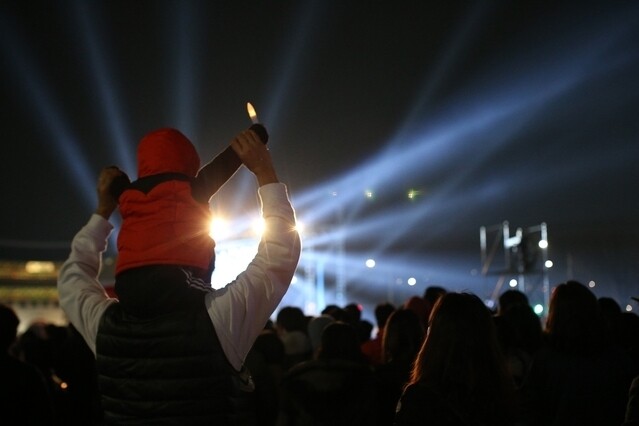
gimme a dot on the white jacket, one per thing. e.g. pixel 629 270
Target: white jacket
pixel 238 311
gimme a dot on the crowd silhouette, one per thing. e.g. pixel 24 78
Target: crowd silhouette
pixel 444 360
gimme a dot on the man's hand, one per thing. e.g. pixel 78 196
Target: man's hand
pixel 107 203
pixel 255 156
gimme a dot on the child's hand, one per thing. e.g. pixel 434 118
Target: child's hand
pixel 107 202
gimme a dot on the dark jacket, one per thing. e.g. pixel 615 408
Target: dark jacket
pixel 568 389
pixel 168 370
pixel 330 392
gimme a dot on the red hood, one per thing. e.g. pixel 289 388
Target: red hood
pixel 167 151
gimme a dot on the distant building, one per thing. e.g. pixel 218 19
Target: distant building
pixel 29 287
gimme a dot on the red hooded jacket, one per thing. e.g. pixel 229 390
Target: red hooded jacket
pixel 162 222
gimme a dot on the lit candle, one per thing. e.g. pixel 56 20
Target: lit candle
pixel 252 113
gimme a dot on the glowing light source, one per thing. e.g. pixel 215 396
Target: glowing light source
pixel 259 226
pixel 370 263
pixel 628 308
pixel 591 284
pixel 218 228
pixel 412 281
pixel 38 267
pixel 543 244
pixel 539 309
pixel 548 264
pixel 513 283
pixel 251 112
pixel 369 194
pixel 412 194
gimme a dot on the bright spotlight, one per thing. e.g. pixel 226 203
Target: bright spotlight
pixel 548 264
pixel 513 283
pixel 539 309
pixel 591 284
pixel 259 226
pixel 370 263
pixel 299 227
pixel 218 228
pixel 369 194
pixel 628 308
pixel 543 244
pixel 412 281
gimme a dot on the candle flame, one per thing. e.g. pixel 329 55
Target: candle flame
pixel 251 112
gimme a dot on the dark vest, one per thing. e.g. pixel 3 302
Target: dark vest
pixel 166 370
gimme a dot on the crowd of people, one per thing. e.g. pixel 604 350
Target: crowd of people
pixel 447 360
pixel 171 350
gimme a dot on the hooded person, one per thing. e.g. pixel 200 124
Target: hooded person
pixel 164 244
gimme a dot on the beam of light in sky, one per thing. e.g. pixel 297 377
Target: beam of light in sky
pixel 107 93
pixel 289 61
pixel 60 141
pixel 279 88
pixel 463 138
pixel 185 66
pixel 424 156
pixel 450 54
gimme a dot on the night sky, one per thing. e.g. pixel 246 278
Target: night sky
pixel 524 111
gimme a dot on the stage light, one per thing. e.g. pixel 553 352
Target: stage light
pixel 259 226
pixel 219 228
pixel 543 244
pixel 300 227
pixel 539 309
pixel 591 284
pixel 411 281
pixel 513 283
pixel 369 194
pixel 628 308
pixel 548 264
pixel 412 194
pixel 370 263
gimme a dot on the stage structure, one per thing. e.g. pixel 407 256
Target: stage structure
pixel 524 259
pixel 323 269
